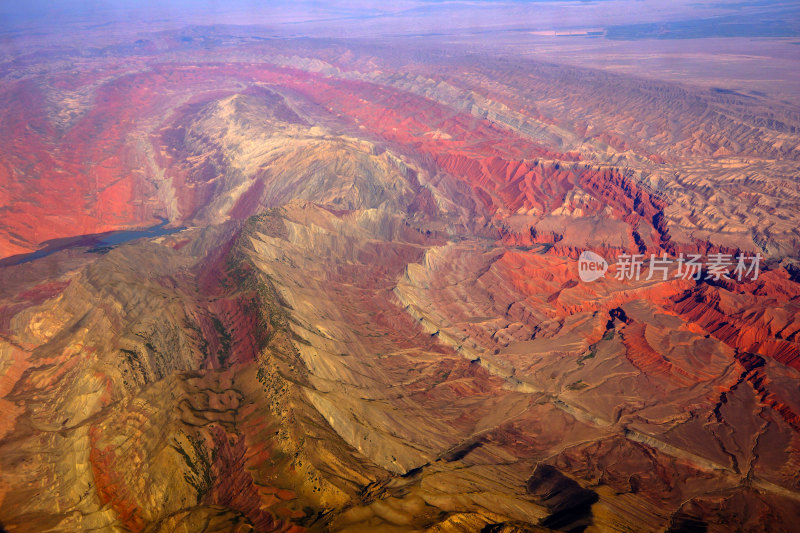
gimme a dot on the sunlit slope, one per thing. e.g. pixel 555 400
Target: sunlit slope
pixel 373 319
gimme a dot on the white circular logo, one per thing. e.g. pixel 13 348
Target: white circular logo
pixel 591 266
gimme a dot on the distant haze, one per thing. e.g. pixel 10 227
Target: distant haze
pixel 687 18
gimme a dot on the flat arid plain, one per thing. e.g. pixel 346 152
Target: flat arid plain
pixel 323 267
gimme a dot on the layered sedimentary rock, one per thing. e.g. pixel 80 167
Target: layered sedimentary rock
pixel 373 318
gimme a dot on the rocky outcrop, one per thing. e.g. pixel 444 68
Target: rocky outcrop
pixel 369 315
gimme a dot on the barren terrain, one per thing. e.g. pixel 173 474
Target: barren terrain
pixel 369 315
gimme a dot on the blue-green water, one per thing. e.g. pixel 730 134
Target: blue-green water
pixel 99 242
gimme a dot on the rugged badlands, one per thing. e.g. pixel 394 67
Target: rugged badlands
pixel 368 316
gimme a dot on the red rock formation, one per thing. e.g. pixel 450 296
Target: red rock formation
pixel 375 319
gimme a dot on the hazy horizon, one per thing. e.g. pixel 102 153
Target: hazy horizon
pixel 764 18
